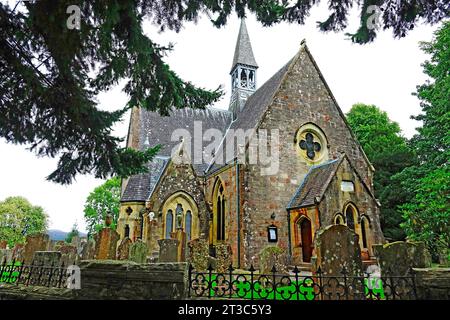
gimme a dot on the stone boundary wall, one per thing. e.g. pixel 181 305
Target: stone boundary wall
pixel 432 284
pixel 113 280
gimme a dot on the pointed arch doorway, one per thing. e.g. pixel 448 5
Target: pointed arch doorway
pixel 304 228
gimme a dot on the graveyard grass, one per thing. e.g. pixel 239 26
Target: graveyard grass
pixel 7 276
pixel 288 292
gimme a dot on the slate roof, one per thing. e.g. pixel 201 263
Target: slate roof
pixel 314 184
pixel 243 52
pixel 140 187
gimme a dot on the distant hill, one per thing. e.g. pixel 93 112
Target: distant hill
pixel 59 235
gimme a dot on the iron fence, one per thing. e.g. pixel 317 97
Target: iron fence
pixel 295 285
pixel 18 273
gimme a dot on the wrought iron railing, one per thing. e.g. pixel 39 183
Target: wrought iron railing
pixel 295 285
pixel 17 273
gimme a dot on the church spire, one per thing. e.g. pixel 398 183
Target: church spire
pixel 243 71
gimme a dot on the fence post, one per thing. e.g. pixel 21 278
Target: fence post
pixel 344 273
pixel 297 286
pixel 189 279
pixel 274 279
pixel 210 269
pixel 252 270
pixel 319 272
pixel 230 285
pixel 20 272
pixel 61 274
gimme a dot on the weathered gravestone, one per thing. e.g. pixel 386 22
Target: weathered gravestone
pixel 180 235
pixel 123 251
pixel 168 250
pixel 35 242
pixel 17 252
pixel 270 257
pixel 198 254
pixel 399 257
pixel 138 252
pixel 337 254
pixel 69 254
pixel 6 255
pixel 223 257
pixel 3 244
pixel 47 258
pixel 88 250
pixel 106 244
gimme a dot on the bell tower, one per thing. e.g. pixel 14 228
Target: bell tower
pixel 243 72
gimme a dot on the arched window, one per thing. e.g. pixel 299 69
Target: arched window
pixel 188 224
pixel 127 231
pixel 364 226
pixel 338 219
pixel 350 212
pixel 169 223
pixel 219 213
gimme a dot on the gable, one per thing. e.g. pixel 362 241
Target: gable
pixel 303 97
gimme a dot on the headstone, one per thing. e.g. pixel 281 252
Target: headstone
pixel 168 250
pixel 180 235
pixel 35 242
pixel 69 254
pixel 17 252
pixel 223 257
pixel 88 251
pixel 272 256
pixel 3 244
pixel 76 242
pixel 138 252
pixel 106 244
pixel 198 254
pixel 338 255
pixel 47 258
pixel 123 251
pixel 52 245
pixel 399 257
pixel 337 247
pixel 5 255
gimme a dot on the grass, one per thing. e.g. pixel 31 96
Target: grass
pixel 289 292
pixel 7 276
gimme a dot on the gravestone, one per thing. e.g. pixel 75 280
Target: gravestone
pixel 272 256
pixel 123 251
pixel 35 242
pixel 399 257
pixel 47 258
pixel 223 257
pixel 180 235
pixel 138 252
pixel 168 250
pixel 88 251
pixel 5 255
pixel 69 254
pixel 3 244
pixel 198 254
pixel 337 248
pixel 106 244
pixel 17 252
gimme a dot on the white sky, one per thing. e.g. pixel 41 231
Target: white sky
pixel 384 73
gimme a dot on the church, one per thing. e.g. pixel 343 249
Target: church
pixel 317 174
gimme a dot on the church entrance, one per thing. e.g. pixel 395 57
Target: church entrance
pixel 306 239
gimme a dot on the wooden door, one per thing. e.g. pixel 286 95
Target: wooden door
pixel 305 229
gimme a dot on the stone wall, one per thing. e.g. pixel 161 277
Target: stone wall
pixel 433 284
pixel 113 280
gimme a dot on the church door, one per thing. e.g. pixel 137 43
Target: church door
pixel 305 229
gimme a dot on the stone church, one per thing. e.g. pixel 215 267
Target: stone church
pixel 321 177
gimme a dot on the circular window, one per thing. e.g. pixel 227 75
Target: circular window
pixel 311 143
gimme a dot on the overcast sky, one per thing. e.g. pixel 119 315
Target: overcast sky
pixel 384 73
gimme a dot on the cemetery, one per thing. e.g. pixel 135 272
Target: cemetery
pixel 108 268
